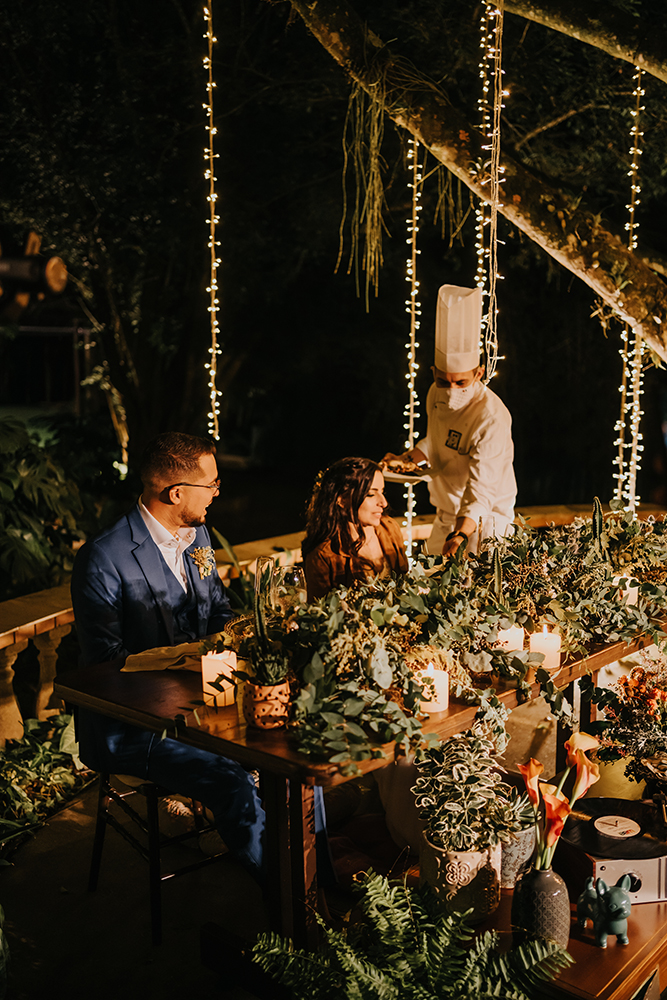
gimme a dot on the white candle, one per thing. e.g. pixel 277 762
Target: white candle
pixel 511 638
pixel 212 666
pixel 549 644
pixel 440 701
pixel 631 593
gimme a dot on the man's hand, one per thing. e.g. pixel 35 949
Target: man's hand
pixel 415 456
pixel 451 547
pixel 464 527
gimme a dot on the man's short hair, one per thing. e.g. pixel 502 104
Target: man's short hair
pixel 171 457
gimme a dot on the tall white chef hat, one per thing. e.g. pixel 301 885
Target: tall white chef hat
pixel 458 322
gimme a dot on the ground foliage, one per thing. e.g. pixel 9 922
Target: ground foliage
pixel 404 945
pixel 38 774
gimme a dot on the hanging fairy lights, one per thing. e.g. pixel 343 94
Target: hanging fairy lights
pixel 489 106
pixel 209 175
pixel 628 441
pixel 413 308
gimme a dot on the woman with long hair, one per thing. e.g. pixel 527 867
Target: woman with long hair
pixel 348 536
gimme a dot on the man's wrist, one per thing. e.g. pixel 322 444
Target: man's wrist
pixel 457 534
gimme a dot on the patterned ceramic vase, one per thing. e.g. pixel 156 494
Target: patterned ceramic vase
pixel 266 706
pixel 517 853
pixel 462 880
pixel 541 907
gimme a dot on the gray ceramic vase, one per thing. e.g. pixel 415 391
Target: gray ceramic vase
pixel 541 907
pixel 516 856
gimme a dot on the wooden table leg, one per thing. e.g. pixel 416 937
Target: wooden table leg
pixel 291 860
pixel 275 797
pixel 304 864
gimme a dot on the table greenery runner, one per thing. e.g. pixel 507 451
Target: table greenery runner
pixel 351 656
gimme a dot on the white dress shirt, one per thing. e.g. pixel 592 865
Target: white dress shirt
pixel 171 546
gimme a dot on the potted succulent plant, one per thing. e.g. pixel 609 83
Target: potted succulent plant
pixel 468 811
pixel 266 692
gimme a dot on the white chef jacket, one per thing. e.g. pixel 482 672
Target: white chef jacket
pixel 470 452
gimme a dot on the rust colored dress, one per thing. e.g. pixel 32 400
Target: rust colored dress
pixel 328 566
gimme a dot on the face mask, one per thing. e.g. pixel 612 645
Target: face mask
pixel 456 397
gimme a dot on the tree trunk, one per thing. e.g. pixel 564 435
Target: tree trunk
pixel 605 27
pixel 566 231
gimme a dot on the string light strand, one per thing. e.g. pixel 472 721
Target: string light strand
pixel 487 274
pixel 413 308
pixel 628 442
pixel 209 175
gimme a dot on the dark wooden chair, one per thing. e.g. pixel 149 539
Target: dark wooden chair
pixel 152 841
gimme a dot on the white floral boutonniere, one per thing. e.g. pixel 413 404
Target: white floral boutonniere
pixel 204 558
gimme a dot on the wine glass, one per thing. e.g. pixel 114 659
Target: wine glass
pixel 486 532
pixel 288 588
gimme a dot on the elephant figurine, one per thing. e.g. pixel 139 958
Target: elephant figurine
pixel 608 908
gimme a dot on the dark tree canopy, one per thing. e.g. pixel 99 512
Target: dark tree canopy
pixel 103 131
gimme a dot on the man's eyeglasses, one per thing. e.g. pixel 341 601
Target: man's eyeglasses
pixel 199 486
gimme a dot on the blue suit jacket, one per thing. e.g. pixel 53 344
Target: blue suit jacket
pixel 119 593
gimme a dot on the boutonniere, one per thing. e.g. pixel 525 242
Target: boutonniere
pixel 204 558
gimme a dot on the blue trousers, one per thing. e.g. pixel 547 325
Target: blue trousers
pixel 222 785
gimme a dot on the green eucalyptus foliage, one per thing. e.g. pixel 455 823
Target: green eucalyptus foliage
pixel 405 947
pixel 350 655
pixel 39 508
pixel 462 799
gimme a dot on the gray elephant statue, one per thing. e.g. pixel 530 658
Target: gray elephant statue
pixel 608 908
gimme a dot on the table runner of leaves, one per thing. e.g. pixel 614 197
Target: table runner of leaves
pixel 352 655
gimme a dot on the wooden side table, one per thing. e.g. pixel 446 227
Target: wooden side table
pixel 616 972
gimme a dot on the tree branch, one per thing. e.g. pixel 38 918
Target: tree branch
pixel 621 35
pixel 568 233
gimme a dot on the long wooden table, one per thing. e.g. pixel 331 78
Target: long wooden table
pixel 165 700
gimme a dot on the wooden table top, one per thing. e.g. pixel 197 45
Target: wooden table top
pixel 153 699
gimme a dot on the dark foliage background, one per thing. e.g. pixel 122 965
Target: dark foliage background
pixel 104 131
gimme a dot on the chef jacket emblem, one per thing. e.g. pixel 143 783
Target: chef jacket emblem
pixel 453 439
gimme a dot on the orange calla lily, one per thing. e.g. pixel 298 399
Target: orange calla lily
pixel 556 811
pixel 552 790
pixel 531 773
pixel 587 774
pixel 577 742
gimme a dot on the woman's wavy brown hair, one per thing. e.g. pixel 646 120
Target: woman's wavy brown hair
pixel 348 480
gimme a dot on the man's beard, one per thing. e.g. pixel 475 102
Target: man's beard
pixel 192 520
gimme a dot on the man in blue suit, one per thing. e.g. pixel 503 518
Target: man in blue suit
pixel 151 580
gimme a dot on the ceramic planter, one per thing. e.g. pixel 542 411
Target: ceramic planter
pixel 462 880
pixel 516 855
pixel 266 706
pixel 541 907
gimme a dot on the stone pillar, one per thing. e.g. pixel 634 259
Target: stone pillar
pixel 47 646
pixel 11 727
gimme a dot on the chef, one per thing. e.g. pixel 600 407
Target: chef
pixel 468 443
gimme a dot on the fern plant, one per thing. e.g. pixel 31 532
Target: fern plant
pixel 405 947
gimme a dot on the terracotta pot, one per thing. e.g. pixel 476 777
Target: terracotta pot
pixel 541 907
pixel 266 706
pixel 462 880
